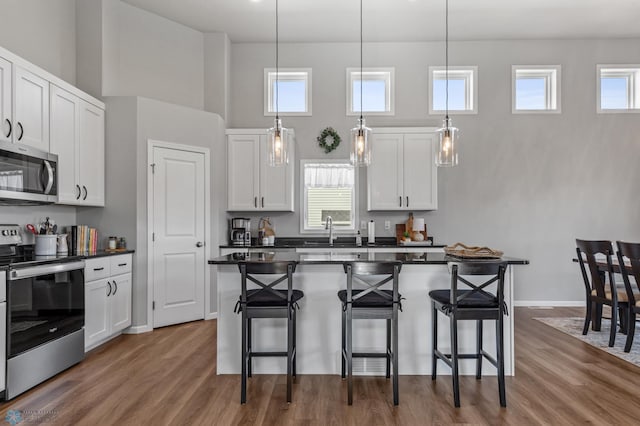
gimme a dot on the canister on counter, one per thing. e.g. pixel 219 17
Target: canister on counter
pixel 113 243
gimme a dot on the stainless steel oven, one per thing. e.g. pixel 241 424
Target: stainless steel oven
pixel 45 322
pixel 27 175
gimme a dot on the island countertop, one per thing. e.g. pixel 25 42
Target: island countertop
pixel 334 258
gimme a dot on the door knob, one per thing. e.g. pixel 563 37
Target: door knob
pixel 199 244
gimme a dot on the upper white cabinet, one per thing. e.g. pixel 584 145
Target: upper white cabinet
pixel 77 137
pixel 6 119
pixel 253 185
pixel 402 174
pixel 31 109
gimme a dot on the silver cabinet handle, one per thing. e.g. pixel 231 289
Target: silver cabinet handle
pixel 199 244
pixel 407 201
pixel 10 127
pixel 21 131
pixel 255 202
pixel 263 202
pixel 116 286
pixel 109 284
pixel 49 183
pixel 85 192
pixel 79 192
pixel 400 201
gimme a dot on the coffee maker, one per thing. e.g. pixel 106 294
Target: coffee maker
pixel 240 231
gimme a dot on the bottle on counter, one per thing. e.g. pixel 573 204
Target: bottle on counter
pixel 359 239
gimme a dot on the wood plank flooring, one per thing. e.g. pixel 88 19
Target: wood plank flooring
pixel 168 377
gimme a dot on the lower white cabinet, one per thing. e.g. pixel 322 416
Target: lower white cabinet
pixel 107 298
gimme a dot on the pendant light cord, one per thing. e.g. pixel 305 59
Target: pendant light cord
pixel 446 59
pixel 361 78
pixel 277 68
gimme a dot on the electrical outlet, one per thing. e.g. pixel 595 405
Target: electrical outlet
pixel 387 224
pixel 363 224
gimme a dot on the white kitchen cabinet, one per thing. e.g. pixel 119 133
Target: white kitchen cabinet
pixel 6 123
pixel 107 298
pixel 253 185
pixel 31 109
pixel 77 137
pixel 402 174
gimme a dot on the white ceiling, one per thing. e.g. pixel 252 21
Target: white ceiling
pixel 403 20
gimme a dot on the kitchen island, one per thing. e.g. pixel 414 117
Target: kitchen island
pixel 321 275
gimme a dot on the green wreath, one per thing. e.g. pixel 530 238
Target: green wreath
pixel 322 139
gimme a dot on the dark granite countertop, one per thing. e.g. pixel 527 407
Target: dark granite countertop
pixel 340 258
pixel 45 260
pixel 323 242
pixel 103 253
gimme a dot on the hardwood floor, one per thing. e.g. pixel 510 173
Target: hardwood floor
pixel 168 377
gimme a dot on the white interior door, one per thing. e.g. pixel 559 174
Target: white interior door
pixel 178 253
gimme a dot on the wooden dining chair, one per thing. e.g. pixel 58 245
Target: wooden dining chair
pixel 598 293
pixel 631 252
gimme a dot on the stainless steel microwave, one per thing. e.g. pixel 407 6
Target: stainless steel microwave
pixel 27 176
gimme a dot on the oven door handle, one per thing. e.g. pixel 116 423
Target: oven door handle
pixel 18 274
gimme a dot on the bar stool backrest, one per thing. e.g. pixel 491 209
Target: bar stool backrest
pixel 631 251
pixel 356 270
pixel 595 280
pixel 284 269
pixel 494 269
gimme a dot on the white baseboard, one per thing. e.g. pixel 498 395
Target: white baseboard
pixel 542 303
pixel 138 329
pixel 211 316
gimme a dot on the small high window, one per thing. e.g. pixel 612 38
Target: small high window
pixel 618 88
pixel 535 89
pixel 463 90
pixel 329 189
pixel 294 94
pixel 377 91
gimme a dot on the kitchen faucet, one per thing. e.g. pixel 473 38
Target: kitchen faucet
pixel 329 225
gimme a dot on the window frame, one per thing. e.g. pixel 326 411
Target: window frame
pixel 470 75
pixel 632 73
pixel 291 74
pixel 303 199
pixel 387 75
pixel 552 75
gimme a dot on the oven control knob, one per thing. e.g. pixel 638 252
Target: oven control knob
pixel 5 232
pixel 14 232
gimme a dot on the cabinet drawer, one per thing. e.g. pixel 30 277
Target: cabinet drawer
pixel 96 269
pixel 120 264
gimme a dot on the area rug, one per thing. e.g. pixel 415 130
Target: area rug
pixel 598 339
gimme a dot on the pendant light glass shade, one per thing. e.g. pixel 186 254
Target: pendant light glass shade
pixel 361 144
pixel 278 137
pixel 448 137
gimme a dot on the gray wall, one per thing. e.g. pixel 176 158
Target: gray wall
pixel 42 32
pixel 526 184
pixel 217 69
pixel 131 123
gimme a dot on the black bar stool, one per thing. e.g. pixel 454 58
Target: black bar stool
pixel 370 303
pixel 475 304
pixel 267 302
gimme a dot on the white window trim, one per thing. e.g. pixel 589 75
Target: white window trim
pixel 303 207
pixel 553 79
pixel 471 92
pixel 632 72
pixel 301 74
pixel 387 75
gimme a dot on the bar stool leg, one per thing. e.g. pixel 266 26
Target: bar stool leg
pixel 243 380
pixel 289 355
pixel 250 363
pixel 396 396
pixel 454 360
pixel 349 355
pixel 479 350
pixel 344 342
pixel 295 343
pixel 500 353
pixel 434 341
pixel 388 348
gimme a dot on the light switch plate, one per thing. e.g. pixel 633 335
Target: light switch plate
pixel 387 224
pixel 363 224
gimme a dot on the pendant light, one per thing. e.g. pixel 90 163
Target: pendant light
pixel 448 135
pixel 278 136
pixel 361 134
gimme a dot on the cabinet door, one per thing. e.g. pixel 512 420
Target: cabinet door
pixel 420 174
pixel 96 317
pixel 6 125
pixel 120 301
pixel 91 158
pixel 65 112
pixel 243 172
pixel 384 175
pixel 276 183
pixel 31 109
